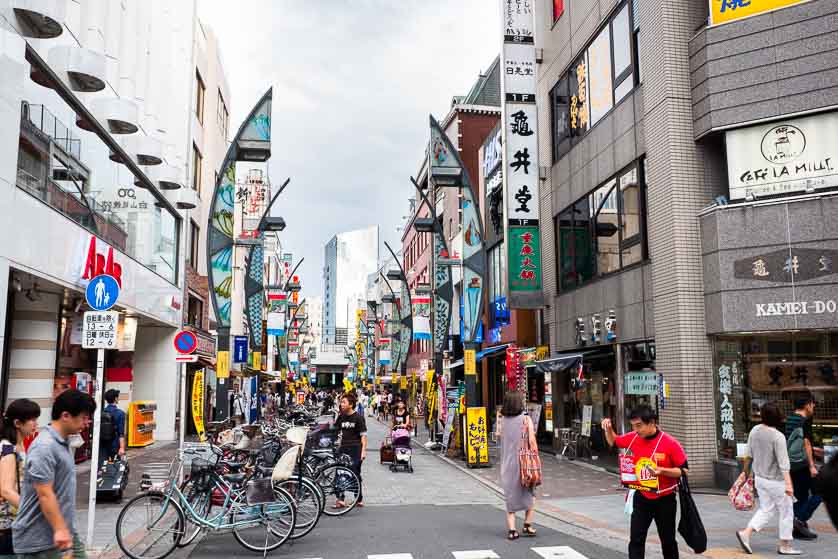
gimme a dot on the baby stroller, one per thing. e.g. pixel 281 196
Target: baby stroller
pixel 403 454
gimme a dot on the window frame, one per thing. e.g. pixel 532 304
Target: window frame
pixel 631 72
pixel 194 248
pixel 640 238
pixel 197 171
pixel 200 96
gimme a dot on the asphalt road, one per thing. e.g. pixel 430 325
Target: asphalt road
pixel 436 512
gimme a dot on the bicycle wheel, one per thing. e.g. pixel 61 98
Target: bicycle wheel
pixel 339 483
pixel 200 499
pixel 267 526
pixel 149 526
pixel 309 505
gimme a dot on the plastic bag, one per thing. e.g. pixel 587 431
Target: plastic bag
pixel 742 495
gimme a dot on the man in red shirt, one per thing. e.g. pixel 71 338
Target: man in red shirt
pixel 660 462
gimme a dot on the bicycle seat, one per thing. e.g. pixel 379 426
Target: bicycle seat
pixel 233 465
pixel 235 479
pixel 265 471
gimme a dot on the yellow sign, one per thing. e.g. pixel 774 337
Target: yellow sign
pixel 283 374
pixel 477 436
pixel 403 382
pixel 198 404
pixel 542 352
pixel 257 360
pixel 222 365
pixel 470 358
pixel 723 11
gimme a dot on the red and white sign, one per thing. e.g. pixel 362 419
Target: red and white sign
pixel 186 358
pixel 186 342
pixel 97 264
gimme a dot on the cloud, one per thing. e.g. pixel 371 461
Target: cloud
pixel 354 82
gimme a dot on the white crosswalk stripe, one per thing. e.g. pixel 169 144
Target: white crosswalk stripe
pixel 391 556
pixel 558 552
pixel 476 554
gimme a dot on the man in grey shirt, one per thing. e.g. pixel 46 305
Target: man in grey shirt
pixel 44 527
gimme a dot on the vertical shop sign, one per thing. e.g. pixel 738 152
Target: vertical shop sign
pixel 520 154
pixel 222 365
pixel 725 407
pixel 470 361
pixel 421 317
pixel 477 444
pixel 384 351
pixel 198 404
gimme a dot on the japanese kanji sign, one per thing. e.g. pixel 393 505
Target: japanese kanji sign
pixel 100 330
pixel 723 11
pixel 477 440
pixel 520 154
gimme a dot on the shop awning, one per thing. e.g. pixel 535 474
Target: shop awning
pixel 491 351
pixel 559 364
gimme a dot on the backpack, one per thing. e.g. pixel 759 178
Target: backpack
pixel 797 450
pixel 107 429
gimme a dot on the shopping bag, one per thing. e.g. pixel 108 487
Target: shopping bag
pixel 528 459
pixel 690 526
pixel 741 495
pixel 628 508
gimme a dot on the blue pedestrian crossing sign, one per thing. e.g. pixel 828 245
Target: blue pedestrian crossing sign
pixel 102 292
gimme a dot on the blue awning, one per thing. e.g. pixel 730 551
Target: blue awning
pixel 491 351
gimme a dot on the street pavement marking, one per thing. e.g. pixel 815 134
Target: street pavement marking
pixel 558 552
pixel 391 556
pixel 476 554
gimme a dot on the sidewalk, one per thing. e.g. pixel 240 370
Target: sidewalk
pixel 104 540
pixel 592 499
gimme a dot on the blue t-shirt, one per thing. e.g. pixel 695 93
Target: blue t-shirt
pixel 119 417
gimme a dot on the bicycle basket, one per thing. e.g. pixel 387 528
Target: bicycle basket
pixel 198 451
pixel 259 491
pixel 198 467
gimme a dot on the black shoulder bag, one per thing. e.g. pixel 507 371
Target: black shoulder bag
pixel 690 526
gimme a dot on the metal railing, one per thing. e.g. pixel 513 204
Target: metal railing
pixel 46 122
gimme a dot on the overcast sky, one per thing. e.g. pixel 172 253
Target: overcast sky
pixel 354 82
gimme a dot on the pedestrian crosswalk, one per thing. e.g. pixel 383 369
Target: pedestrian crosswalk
pixel 554 552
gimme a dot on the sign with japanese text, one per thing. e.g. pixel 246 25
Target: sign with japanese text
pixel 470 361
pixel 726 373
pixel 222 365
pixel 788 265
pixel 477 440
pixel 792 155
pixel 642 383
pixel 421 317
pixel 100 330
pixel 524 264
pixel 519 123
pixel 384 351
pixel 198 404
pixel 723 11
pixel 638 473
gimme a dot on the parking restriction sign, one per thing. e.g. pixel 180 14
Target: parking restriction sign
pixel 100 330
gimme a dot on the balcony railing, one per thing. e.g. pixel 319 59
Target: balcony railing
pixel 46 122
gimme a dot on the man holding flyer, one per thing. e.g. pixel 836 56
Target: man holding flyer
pixel 651 466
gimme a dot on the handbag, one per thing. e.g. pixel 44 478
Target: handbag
pixel 741 495
pixel 528 459
pixel 690 526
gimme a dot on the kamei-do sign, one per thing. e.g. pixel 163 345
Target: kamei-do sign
pixel 796 308
pixel 793 155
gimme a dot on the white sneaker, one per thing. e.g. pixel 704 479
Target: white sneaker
pixel 788 550
pixel 744 541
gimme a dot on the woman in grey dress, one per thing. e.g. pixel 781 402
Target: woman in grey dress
pixel 510 429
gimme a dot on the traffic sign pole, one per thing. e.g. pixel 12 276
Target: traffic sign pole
pixel 94 458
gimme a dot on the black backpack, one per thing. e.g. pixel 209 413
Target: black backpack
pixel 107 429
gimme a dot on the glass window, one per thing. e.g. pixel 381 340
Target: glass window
pixel 603 232
pixel 194 236
pixel 635 17
pixel 71 170
pixel 604 217
pixel 622 43
pixel 195 312
pixel 197 162
pixel 561 119
pixel 599 75
pixel 200 95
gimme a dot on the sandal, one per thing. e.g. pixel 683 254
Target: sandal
pixel 529 531
pixel 339 505
pixel 513 535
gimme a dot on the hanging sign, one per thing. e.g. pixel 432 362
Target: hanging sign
pixel 198 404
pixel 470 361
pixel 520 154
pixel 222 365
pixel 421 317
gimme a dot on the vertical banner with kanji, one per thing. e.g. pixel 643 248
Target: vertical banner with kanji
pixel 520 154
pixel 477 440
pixel 198 404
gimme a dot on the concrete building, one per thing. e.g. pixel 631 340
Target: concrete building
pixel 685 221
pixel 93 158
pixel 349 258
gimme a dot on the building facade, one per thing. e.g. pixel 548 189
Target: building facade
pixel 350 258
pixel 93 152
pixel 665 209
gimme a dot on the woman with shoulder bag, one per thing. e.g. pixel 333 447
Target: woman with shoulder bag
pixel 514 431
pixel 19 422
pixel 768 455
